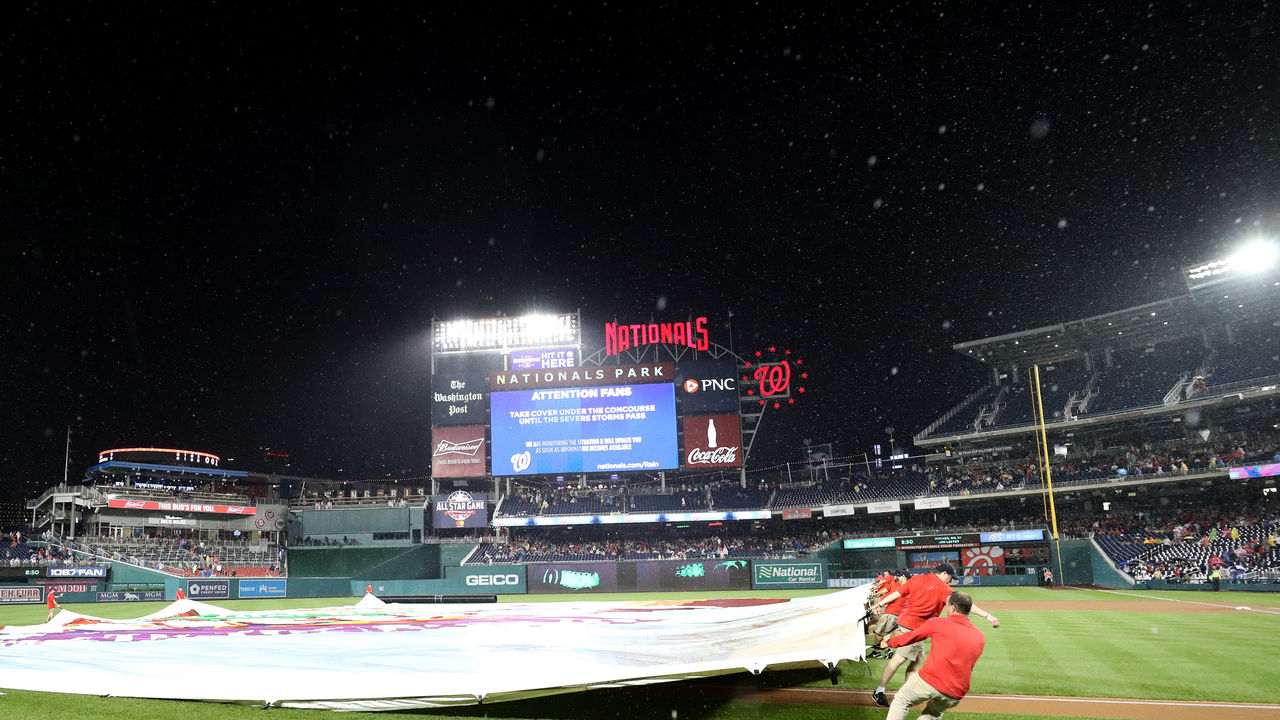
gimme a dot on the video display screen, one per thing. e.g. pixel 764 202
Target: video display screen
pixel 603 428
pixel 573 577
pixel 727 574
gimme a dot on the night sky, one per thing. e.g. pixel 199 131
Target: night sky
pixel 229 229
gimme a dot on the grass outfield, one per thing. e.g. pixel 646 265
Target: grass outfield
pixel 1091 653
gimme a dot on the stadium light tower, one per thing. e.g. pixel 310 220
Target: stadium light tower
pixel 1255 257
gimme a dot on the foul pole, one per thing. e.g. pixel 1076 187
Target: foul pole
pixel 1047 473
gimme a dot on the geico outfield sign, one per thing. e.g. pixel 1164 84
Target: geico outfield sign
pixel 789 573
pixel 494 578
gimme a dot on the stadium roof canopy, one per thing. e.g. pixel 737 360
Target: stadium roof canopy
pixel 1236 302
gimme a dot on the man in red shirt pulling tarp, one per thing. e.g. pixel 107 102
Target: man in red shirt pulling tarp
pixel 926 597
pixel 944 679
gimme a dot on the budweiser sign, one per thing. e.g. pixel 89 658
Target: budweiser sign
pixel 712 441
pixel 458 451
pixel 466 447
pixel 180 506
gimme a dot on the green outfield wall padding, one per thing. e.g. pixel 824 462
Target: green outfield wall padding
pixel 411 587
pixel 124 575
pixel 1104 572
pixel 452 554
pixel 321 587
pixel 998 581
pixel 1076 566
pixel 357 520
pixel 401 562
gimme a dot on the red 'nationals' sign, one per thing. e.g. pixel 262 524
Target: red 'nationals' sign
pixel 712 441
pixel 690 334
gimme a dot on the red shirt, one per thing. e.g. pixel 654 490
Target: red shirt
pixel 51 602
pixel 926 596
pixel 956 647
pixel 895 607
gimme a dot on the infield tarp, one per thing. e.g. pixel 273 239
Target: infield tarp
pixel 376 656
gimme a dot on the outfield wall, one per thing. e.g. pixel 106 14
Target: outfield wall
pixel 401 562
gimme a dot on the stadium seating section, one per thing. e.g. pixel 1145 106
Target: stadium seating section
pixel 1135 379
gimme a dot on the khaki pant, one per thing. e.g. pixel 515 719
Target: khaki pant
pixel 915 691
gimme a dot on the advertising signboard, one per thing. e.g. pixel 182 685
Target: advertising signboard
pixel 936 542
pixel 496 579
pixel 459 398
pixel 573 577
pixel 932 503
pixel 868 543
pixel 77 572
pixel 788 574
pixel 13 594
pixel 712 441
pixel 544 359
pixel 262 588
pixel 707 386
pixel 1009 536
pixel 460 509
pixel 1253 471
pixel 797 514
pixel 208 589
pixel 888 506
pixel 122 504
pixel 131 596
pixel 837 510
pixel 599 428
pixel 726 574
pixel 458 451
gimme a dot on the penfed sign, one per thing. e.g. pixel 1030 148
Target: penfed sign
pixel 766 574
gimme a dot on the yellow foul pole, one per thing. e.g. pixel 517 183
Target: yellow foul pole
pixel 1040 457
pixel 1048 472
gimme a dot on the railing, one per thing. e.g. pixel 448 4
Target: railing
pixel 1177 393
pixel 952 412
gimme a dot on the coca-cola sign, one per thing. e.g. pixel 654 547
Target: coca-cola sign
pixel 712 441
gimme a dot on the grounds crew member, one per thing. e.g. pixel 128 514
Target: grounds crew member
pixel 51 601
pixel 926 598
pixel 888 620
pixel 944 679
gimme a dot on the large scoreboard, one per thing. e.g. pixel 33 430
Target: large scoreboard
pixel 626 425
pixel 513 399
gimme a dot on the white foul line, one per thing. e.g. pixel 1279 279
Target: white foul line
pixel 1189 602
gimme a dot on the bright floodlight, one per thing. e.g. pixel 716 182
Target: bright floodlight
pixel 1255 256
pixel 506 333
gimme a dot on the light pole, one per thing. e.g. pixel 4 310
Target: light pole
pixel 892 450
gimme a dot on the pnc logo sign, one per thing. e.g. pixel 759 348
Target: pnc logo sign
pixel 708 384
pixel 490 580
